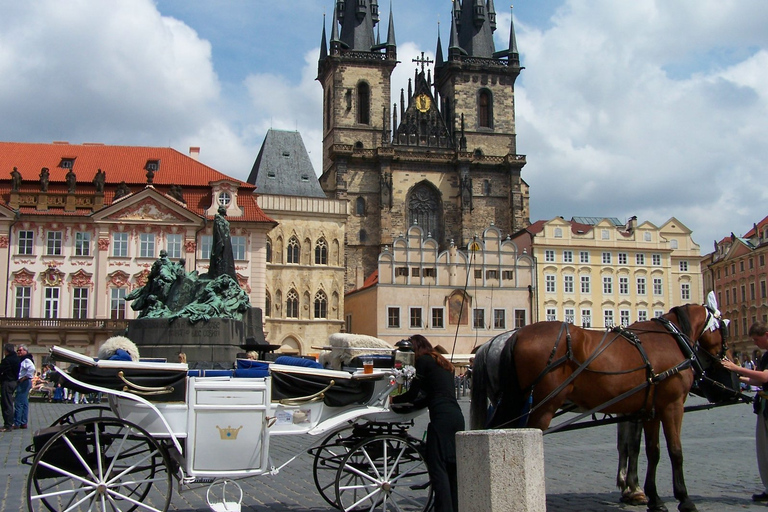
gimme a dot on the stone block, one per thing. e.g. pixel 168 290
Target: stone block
pixel 501 471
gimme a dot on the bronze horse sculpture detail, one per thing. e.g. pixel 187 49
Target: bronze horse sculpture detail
pixel 646 369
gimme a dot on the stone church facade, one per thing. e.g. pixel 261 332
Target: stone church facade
pixel 441 156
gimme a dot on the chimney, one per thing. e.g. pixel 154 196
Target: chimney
pixel 194 152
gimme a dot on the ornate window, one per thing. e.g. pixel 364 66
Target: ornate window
pixel 485 109
pixel 82 243
pixel 26 242
pixel 363 103
pixel 117 304
pixel 292 304
pixel 51 304
pixel 146 245
pixel 425 209
pixel 269 250
pixel 238 247
pixel 321 252
pixel 173 245
pixel 53 246
pixel 268 305
pixel 23 301
pixel 224 198
pixel 120 245
pixel 294 250
pixel 80 303
pixel 321 305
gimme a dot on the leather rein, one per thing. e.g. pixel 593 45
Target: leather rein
pixel 687 347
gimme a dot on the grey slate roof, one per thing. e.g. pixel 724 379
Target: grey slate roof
pixel 594 220
pixel 283 167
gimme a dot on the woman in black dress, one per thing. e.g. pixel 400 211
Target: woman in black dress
pixel 435 381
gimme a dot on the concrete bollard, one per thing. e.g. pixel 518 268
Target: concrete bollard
pixel 501 470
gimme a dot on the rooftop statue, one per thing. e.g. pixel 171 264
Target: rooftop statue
pixel 171 292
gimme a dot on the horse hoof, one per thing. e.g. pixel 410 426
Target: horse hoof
pixel 687 507
pixel 634 498
pixel 658 508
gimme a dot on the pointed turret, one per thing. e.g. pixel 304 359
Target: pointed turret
pixel 475 30
pixel 511 52
pixel 439 51
pixel 323 43
pixel 391 31
pixel 357 22
pixel 335 42
pixel 491 15
pixel 454 49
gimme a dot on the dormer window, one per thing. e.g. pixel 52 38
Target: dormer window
pixel 305 177
pixel 67 163
pixel 152 165
pixel 286 153
pixel 224 199
pixel 271 174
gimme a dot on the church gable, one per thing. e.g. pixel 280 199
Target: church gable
pixel 421 123
pixel 147 206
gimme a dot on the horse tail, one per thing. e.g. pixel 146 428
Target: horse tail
pixel 478 407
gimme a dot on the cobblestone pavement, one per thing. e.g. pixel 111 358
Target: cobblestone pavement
pixel 720 467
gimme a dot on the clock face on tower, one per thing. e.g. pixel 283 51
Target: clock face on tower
pixel 422 102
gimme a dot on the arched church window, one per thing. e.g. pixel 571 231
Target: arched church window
pixel 485 109
pixel 425 210
pixel 363 103
pixel 321 252
pixel 363 236
pixel 321 305
pixel 267 305
pixel 292 304
pixel 294 251
pixel 269 250
pixel 360 206
pixel 328 110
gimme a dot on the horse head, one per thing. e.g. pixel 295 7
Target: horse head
pixel 711 347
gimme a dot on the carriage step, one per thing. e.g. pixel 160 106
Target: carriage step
pixel 203 480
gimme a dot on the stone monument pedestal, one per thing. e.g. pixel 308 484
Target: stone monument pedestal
pixel 212 344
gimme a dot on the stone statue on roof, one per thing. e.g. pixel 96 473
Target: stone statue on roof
pixel 222 256
pixel 98 181
pixel 122 190
pixel 15 180
pixel 44 176
pixel 71 182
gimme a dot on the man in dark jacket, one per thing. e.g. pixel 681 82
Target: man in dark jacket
pixel 9 375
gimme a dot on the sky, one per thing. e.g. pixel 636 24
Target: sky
pixel 653 108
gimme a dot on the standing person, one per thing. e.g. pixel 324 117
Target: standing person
pixel 9 375
pixel 182 357
pixel 758 377
pixel 26 372
pixel 434 378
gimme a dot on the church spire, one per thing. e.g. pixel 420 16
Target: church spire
pixel 475 28
pixel 391 30
pixel 335 42
pixel 439 51
pixel 323 43
pixel 357 18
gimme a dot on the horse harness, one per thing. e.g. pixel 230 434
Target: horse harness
pixel 690 360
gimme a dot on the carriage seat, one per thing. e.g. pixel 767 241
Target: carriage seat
pixel 105 373
pixel 300 381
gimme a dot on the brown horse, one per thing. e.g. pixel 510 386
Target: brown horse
pixel 646 369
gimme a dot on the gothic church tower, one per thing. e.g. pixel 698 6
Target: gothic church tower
pixel 443 157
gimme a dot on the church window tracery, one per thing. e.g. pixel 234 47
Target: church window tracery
pixel 294 250
pixel 425 210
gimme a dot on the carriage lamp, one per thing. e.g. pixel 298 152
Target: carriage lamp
pixel 404 355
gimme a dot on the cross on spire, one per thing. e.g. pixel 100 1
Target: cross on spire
pixel 423 61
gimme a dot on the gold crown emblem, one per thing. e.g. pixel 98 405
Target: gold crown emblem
pixel 229 433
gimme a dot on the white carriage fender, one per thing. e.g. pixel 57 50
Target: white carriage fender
pixel 346 417
pixel 129 396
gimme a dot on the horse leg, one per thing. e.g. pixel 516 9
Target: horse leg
pixel 628 442
pixel 673 423
pixel 653 453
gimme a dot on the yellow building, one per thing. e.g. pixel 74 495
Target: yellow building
pixel 600 272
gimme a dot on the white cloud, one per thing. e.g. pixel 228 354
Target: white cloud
pixel 629 118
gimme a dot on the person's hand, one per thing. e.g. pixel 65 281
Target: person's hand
pixel 729 365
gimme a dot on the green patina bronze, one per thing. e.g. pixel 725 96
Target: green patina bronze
pixel 171 292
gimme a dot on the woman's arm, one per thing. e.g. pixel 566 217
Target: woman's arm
pixel 753 377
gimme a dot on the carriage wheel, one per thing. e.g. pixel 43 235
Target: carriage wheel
pixel 100 465
pixel 384 473
pixel 328 458
pixel 82 413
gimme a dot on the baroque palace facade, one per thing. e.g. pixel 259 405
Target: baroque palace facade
pixel 738 274
pixel 81 225
pixel 441 155
pixel 600 272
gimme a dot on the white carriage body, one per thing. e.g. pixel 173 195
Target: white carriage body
pixel 224 424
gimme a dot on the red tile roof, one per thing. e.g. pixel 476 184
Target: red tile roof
pixel 760 225
pixel 119 163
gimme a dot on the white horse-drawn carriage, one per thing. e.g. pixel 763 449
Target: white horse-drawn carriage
pixel 211 428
